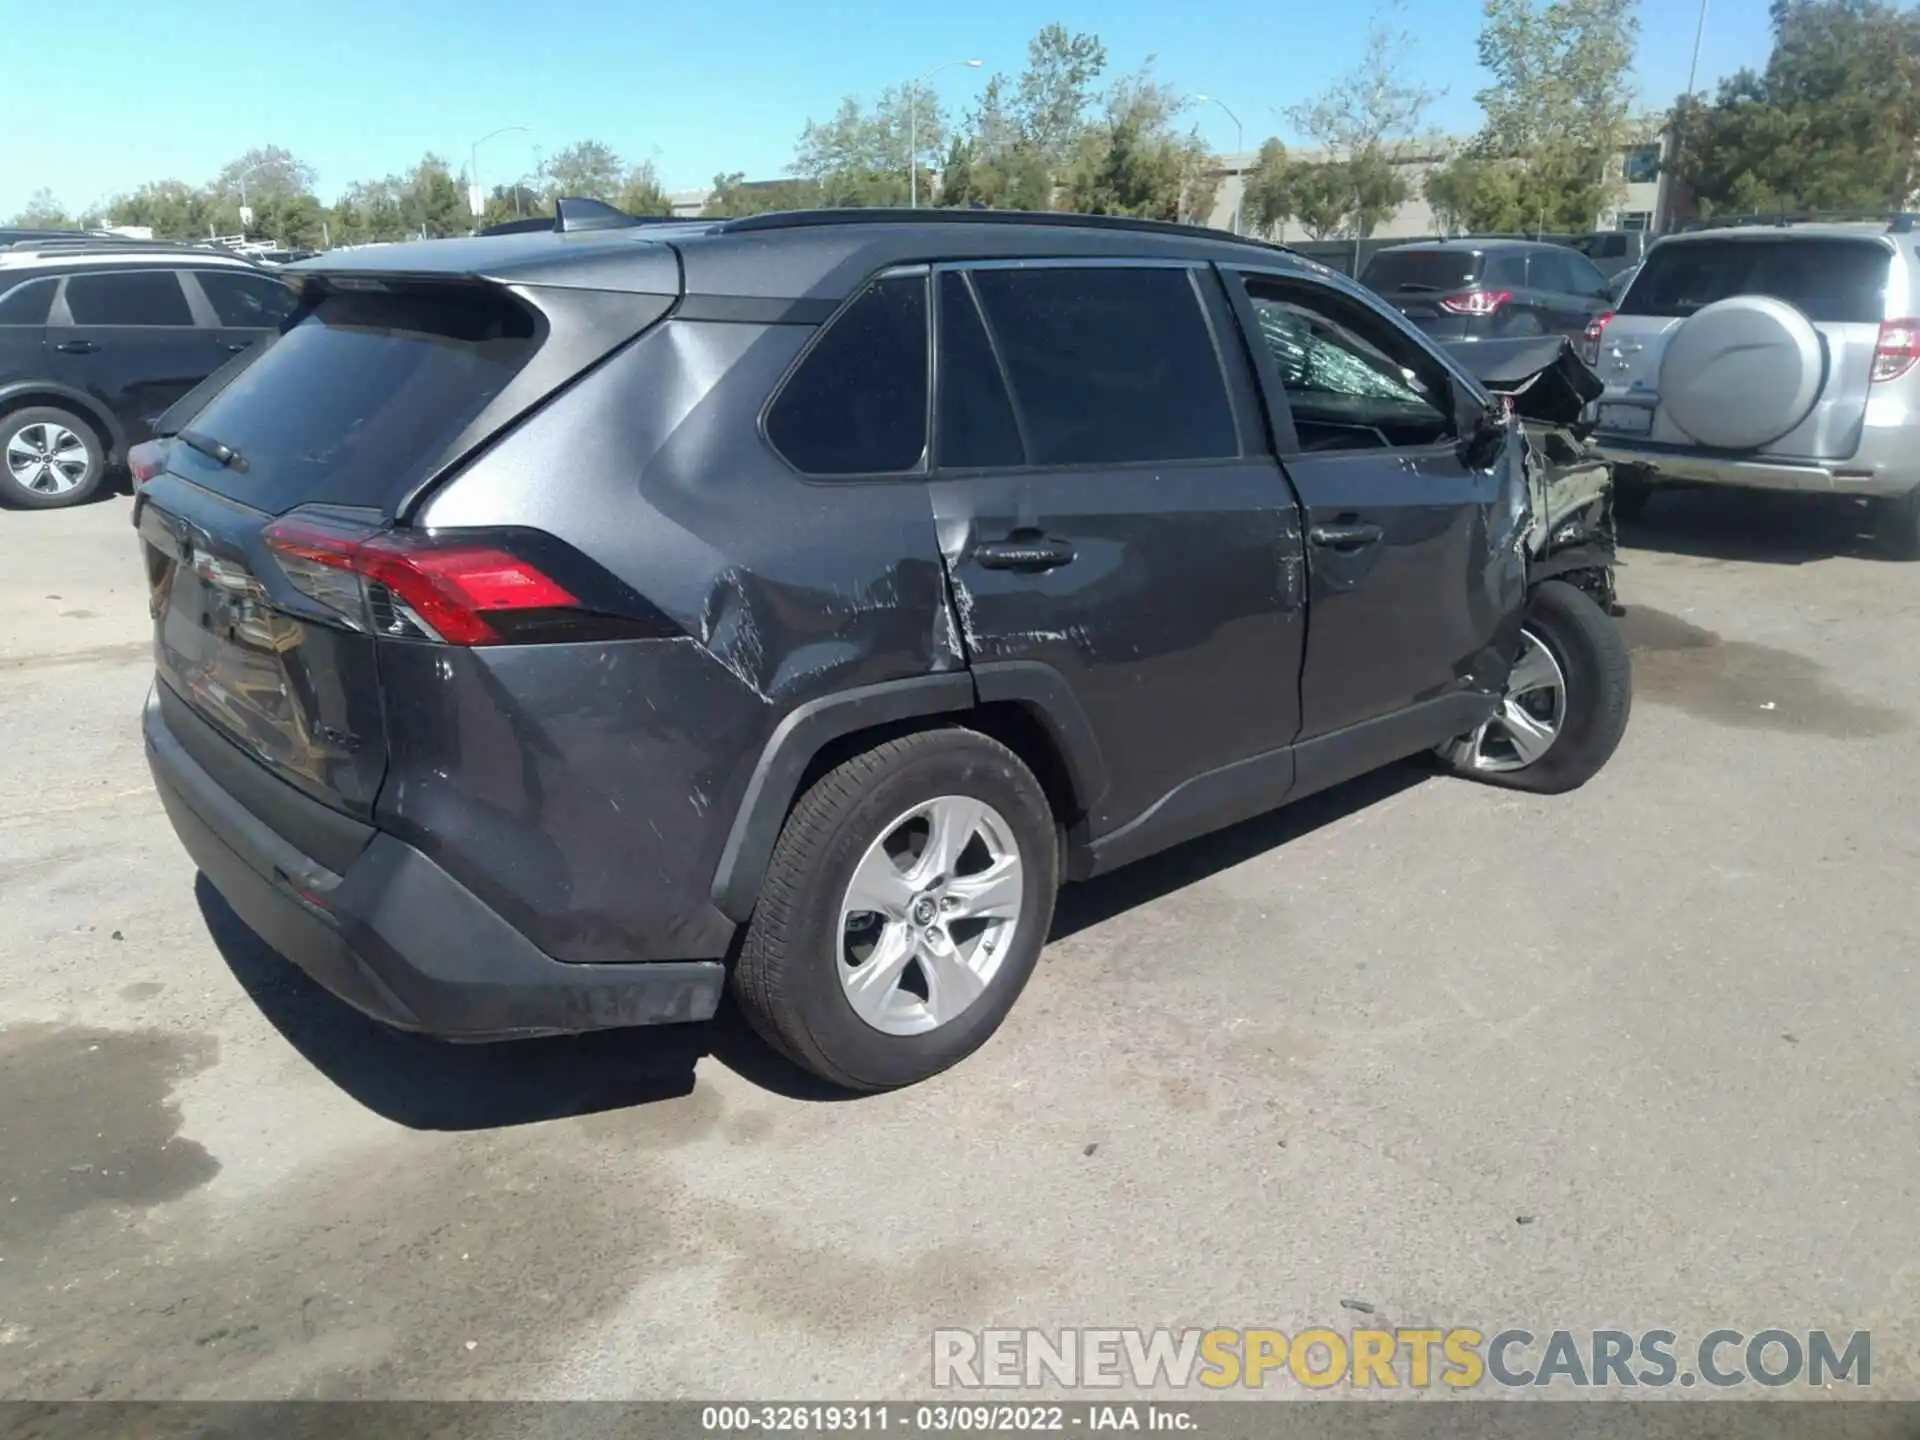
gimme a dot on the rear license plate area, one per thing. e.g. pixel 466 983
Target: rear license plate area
pixel 1626 419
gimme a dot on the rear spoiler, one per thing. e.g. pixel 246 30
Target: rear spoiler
pixel 573 213
pixel 1540 376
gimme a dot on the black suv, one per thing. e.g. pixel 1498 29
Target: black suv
pixel 97 338
pixel 1476 289
pixel 549 626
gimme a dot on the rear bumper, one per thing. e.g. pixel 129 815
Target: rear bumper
pixel 1852 477
pixel 398 938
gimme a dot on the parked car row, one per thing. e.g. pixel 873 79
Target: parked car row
pixel 97 339
pixel 1776 356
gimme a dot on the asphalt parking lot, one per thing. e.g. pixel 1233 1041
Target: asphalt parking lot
pixel 1642 1056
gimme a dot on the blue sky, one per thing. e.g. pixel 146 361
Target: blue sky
pixel 360 88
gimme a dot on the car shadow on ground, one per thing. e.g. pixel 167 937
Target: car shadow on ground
pixel 1758 525
pixel 428 1084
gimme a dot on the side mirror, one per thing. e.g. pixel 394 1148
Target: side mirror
pixel 1485 437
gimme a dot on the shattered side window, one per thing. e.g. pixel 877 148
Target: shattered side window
pixel 1350 384
pixel 857 404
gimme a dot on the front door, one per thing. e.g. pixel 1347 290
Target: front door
pixel 1416 576
pixel 127 337
pixel 1108 512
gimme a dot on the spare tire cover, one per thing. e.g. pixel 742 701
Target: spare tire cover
pixel 1742 372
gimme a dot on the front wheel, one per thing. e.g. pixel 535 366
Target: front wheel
pixel 904 907
pixel 1566 702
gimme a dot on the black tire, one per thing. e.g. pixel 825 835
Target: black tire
pixel 1598 671
pixel 19 495
pixel 1631 492
pixel 1896 524
pixel 786 980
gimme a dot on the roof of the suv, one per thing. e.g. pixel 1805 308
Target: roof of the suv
pixel 796 255
pixel 1791 230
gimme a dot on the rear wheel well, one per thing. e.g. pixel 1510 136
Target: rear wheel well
pixel 60 400
pixel 1013 724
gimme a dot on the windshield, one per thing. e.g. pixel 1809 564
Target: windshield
pixel 1421 270
pixel 1831 279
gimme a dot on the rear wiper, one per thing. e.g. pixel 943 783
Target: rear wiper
pixel 213 449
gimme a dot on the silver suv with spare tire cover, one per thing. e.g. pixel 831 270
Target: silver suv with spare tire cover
pixel 1772 357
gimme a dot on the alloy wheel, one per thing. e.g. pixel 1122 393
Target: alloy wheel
pixel 1529 720
pixel 47 458
pixel 930 915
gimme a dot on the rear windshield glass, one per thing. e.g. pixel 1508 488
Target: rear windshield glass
pixel 1421 270
pixel 354 402
pixel 1833 280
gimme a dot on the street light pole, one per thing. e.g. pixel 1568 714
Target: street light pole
pixel 1240 152
pixel 475 202
pixel 1699 30
pixel 913 127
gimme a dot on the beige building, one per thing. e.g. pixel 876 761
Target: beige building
pixel 1642 205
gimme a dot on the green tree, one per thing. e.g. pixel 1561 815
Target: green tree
pixel 1056 92
pixel 1136 162
pixel 641 192
pixel 173 210
pixel 1362 122
pixel 860 156
pixel 1557 114
pixel 43 212
pixel 1833 122
pixel 588 169
pixel 1269 201
pixel 733 196
pixel 435 200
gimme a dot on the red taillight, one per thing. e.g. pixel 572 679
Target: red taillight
pixel 1590 341
pixel 146 460
pixel 1476 302
pixel 1898 348
pixel 413 585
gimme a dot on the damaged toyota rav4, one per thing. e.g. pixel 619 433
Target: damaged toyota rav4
pixel 554 630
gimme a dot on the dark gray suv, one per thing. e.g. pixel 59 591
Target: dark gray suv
pixel 551 628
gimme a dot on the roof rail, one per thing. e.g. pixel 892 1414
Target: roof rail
pixel 1898 222
pixel 884 215
pixel 118 245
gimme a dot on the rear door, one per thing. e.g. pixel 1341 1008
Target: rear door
pixel 1109 512
pixel 127 337
pixel 1411 552
pixel 1567 289
pixel 1839 282
pixel 245 306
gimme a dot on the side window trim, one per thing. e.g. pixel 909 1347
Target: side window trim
pixel 1312 288
pixel 965 272
pixel 199 304
pixel 967 268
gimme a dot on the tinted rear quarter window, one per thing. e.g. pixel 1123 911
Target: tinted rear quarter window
pixel 1421 269
pixel 128 297
pixel 1838 281
pixel 857 403
pixel 352 404
pixel 1109 365
pixel 245 301
pixel 27 304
